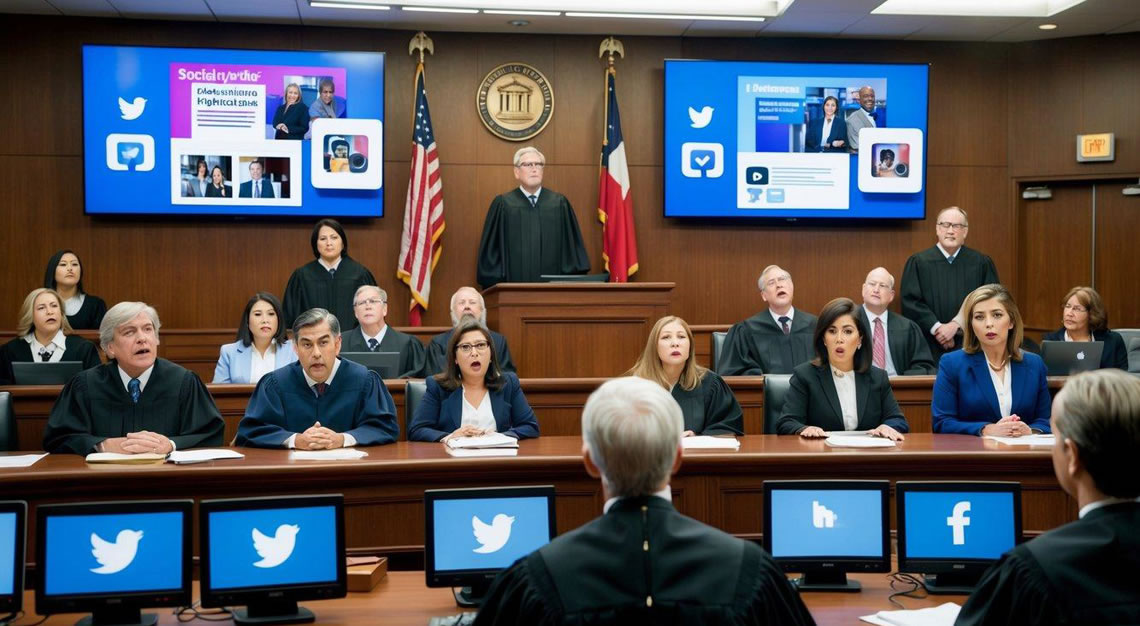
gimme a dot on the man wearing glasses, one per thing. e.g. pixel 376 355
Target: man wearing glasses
pixel 530 231
pixel 370 306
pixel 937 280
pixel 773 341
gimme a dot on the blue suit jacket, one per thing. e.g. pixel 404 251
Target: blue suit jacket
pixel 815 127
pixel 964 399
pixel 440 412
pixel 234 361
pixel 246 189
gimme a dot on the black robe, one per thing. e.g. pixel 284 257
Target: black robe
pixel 89 315
pixel 521 242
pixel 758 346
pixel 909 351
pixel 95 406
pixel 644 563
pixel 437 352
pixel 1081 573
pixel 710 408
pixel 933 289
pixel 1114 354
pixel 18 350
pixel 311 286
pixel 413 355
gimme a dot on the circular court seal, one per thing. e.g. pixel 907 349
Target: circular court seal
pixel 515 101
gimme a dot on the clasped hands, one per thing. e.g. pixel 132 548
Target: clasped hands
pixel 465 431
pixel 946 333
pixel 1011 426
pixel 317 437
pixel 882 430
pixel 142 442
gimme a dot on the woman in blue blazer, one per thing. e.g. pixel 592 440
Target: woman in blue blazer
pixel 836 140
pixel 261 346
pixel 471 396
pixel 991 386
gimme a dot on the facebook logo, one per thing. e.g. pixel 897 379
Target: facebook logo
pixel 958 521
pixel 951 525
pixel 702 159
pixel 130 153
pixel 828 523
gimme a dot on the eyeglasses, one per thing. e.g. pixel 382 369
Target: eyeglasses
pixel 771 282
pixel 953 226
pixel 372 301
pixel 530 164
pixel 479 346
pixel 1076 308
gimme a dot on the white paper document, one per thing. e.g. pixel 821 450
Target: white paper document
pixel 490 440
pixel 705 442
pixel 481 452
pixel 128 459
pixel 1027 440
pixel 20 460
pixel 944 614
pixel 858 441
pixel 336 454
pixel 185 457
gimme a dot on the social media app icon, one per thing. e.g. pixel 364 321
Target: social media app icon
pixel 702 159
pixel 133 109
pixel 701 118
pixel 754 194
pixel 492 537
pixel 115 557
pixel 756 176
pixel 821 516
pixel 277 549
pixel 775 195
pixel 958 522
pixel 133 153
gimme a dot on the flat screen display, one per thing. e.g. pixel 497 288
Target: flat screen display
pixel 8 538
pixel 959 525
pixel 273 547
pixel 488 533
pixel 827 523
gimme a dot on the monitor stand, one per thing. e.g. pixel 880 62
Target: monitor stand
pixel 472 597
pixel 120 616
pixel 826 581
pixel 273 612
pixel 947 584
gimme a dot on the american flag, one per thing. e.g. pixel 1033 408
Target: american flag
pixel 615 203
pixel 420 244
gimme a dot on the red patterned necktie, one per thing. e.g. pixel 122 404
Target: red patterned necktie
pixel 879 345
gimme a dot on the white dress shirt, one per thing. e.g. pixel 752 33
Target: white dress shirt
pixel 72 305
pixel 379 337
pixel 480 417
pixel 871 317
pixel 1092 506
pixel 349 440
pixel 536 194
pixel 665 494
pixel 845 389
pixel 826 132
pixel 791 315
pixel 260 365
pixel 56 346
pixel 1004 388
pixel 331 266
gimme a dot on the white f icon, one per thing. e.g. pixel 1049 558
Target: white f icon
pixel 958 521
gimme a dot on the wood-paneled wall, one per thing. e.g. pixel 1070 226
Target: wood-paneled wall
pixel 997 111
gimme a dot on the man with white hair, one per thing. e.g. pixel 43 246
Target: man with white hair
pixel 773 341
pixel 466 302
pixel 370 305
pixel 530 231
pixel 136 402
pixel 641 562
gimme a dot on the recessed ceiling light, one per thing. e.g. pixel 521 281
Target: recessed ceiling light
pixel 439 10
pixel 345 5
pixel 1047 26
pixel 975 8
pixel 662 16
pixel 521 12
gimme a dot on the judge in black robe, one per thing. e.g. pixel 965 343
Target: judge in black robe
pixel 330 281
pixel 18 350
pixel 370 307
pixel 710 408
pixel 758 346
pixel 530 231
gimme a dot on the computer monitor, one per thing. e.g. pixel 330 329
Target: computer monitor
pixel 1063 358
pixel 386 364
pixel 113 558
pixel 827 528
pixel 953 531
pixel 32 373
pixel 13 522
pixel 269 553
pixel 473 534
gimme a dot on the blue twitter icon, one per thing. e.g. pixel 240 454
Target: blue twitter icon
pixel 488 533
pixel 108 553
pixel 263 547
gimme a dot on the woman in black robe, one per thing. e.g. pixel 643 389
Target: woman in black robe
pixel 64 274
pixel 44 335
pixel 330 281
pixel 708 405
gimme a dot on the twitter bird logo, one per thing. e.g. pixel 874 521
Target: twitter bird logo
pixel 275 550
pixel 700 118
pixel 115 557
pixel 132 110
pixel 492 537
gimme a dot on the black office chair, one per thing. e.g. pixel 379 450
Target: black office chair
pixel 7 423
pixel 1134 356
pixel 776 388
pixel 413 393
pixel 716 349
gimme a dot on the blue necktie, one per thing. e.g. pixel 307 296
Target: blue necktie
pixel 332 272
pixel 134 389
pixel 784 319
pixel 373 344
pixel 533 200
pixel 950 260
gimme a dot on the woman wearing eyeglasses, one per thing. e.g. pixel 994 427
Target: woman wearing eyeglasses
pixel 472 396
pixel 1084 318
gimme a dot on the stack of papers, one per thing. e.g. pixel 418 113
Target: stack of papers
pixel 944 614
pixel 706 442
pixel 336 454
pixel 858 441
pixel 126 459
pixel 491 444
pixel 185 457
pixel 1027 440
pixel 20 460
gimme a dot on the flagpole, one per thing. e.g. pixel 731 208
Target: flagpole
pixel 420 42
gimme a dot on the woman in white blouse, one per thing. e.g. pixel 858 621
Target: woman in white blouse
pixel 472 396
pixel 261 346
pixel 839 390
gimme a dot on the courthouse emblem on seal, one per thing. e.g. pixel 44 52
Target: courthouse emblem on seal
pixel 515 101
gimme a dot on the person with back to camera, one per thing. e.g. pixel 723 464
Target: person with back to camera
pixel 991 386
pixel 64 274
pixel 1084 318
pixel 43 335
pixel 330 280
pixel 218 187
pixel 261 345
pixel 472 396
pixel 707 404
pixel 839 390
pixel 291 120
pixel 827 133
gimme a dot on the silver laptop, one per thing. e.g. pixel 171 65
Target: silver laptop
pixel 1063 358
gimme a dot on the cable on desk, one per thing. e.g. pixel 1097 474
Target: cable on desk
pixel 192 612
pixel 912 582
pixel 4 621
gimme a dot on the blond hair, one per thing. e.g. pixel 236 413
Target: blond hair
pixel 648 365
pixel 27 314
pixel 994 291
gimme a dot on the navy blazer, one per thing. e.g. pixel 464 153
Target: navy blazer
pixel 964 399
pixel 815 129
pixel 236 359
pixel 440 412
pixel 813 401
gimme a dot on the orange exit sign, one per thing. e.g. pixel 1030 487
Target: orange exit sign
pixel 1098 147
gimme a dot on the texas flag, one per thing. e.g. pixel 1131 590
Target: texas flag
pixel 615 204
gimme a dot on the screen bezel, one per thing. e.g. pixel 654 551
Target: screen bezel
pixel 935 565
pixel 90 602
pixel 299 591
pixel 15 602
pixel 467 577
pixel 838 563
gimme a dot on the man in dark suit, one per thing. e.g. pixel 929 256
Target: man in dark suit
pixel 466 301
pixel 1083 572
pixel 903 349
pixel 774 341
pixel 370 305
pixel 256 186
pixel 641 562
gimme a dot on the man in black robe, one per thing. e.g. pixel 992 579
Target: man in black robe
pixel 905 352
pixel 641 562
pixel 374 335
pixel 937 280
pixel 466 301
pixel 530 231
pixel 1083 572
pixel 135 403
pixel 773 341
